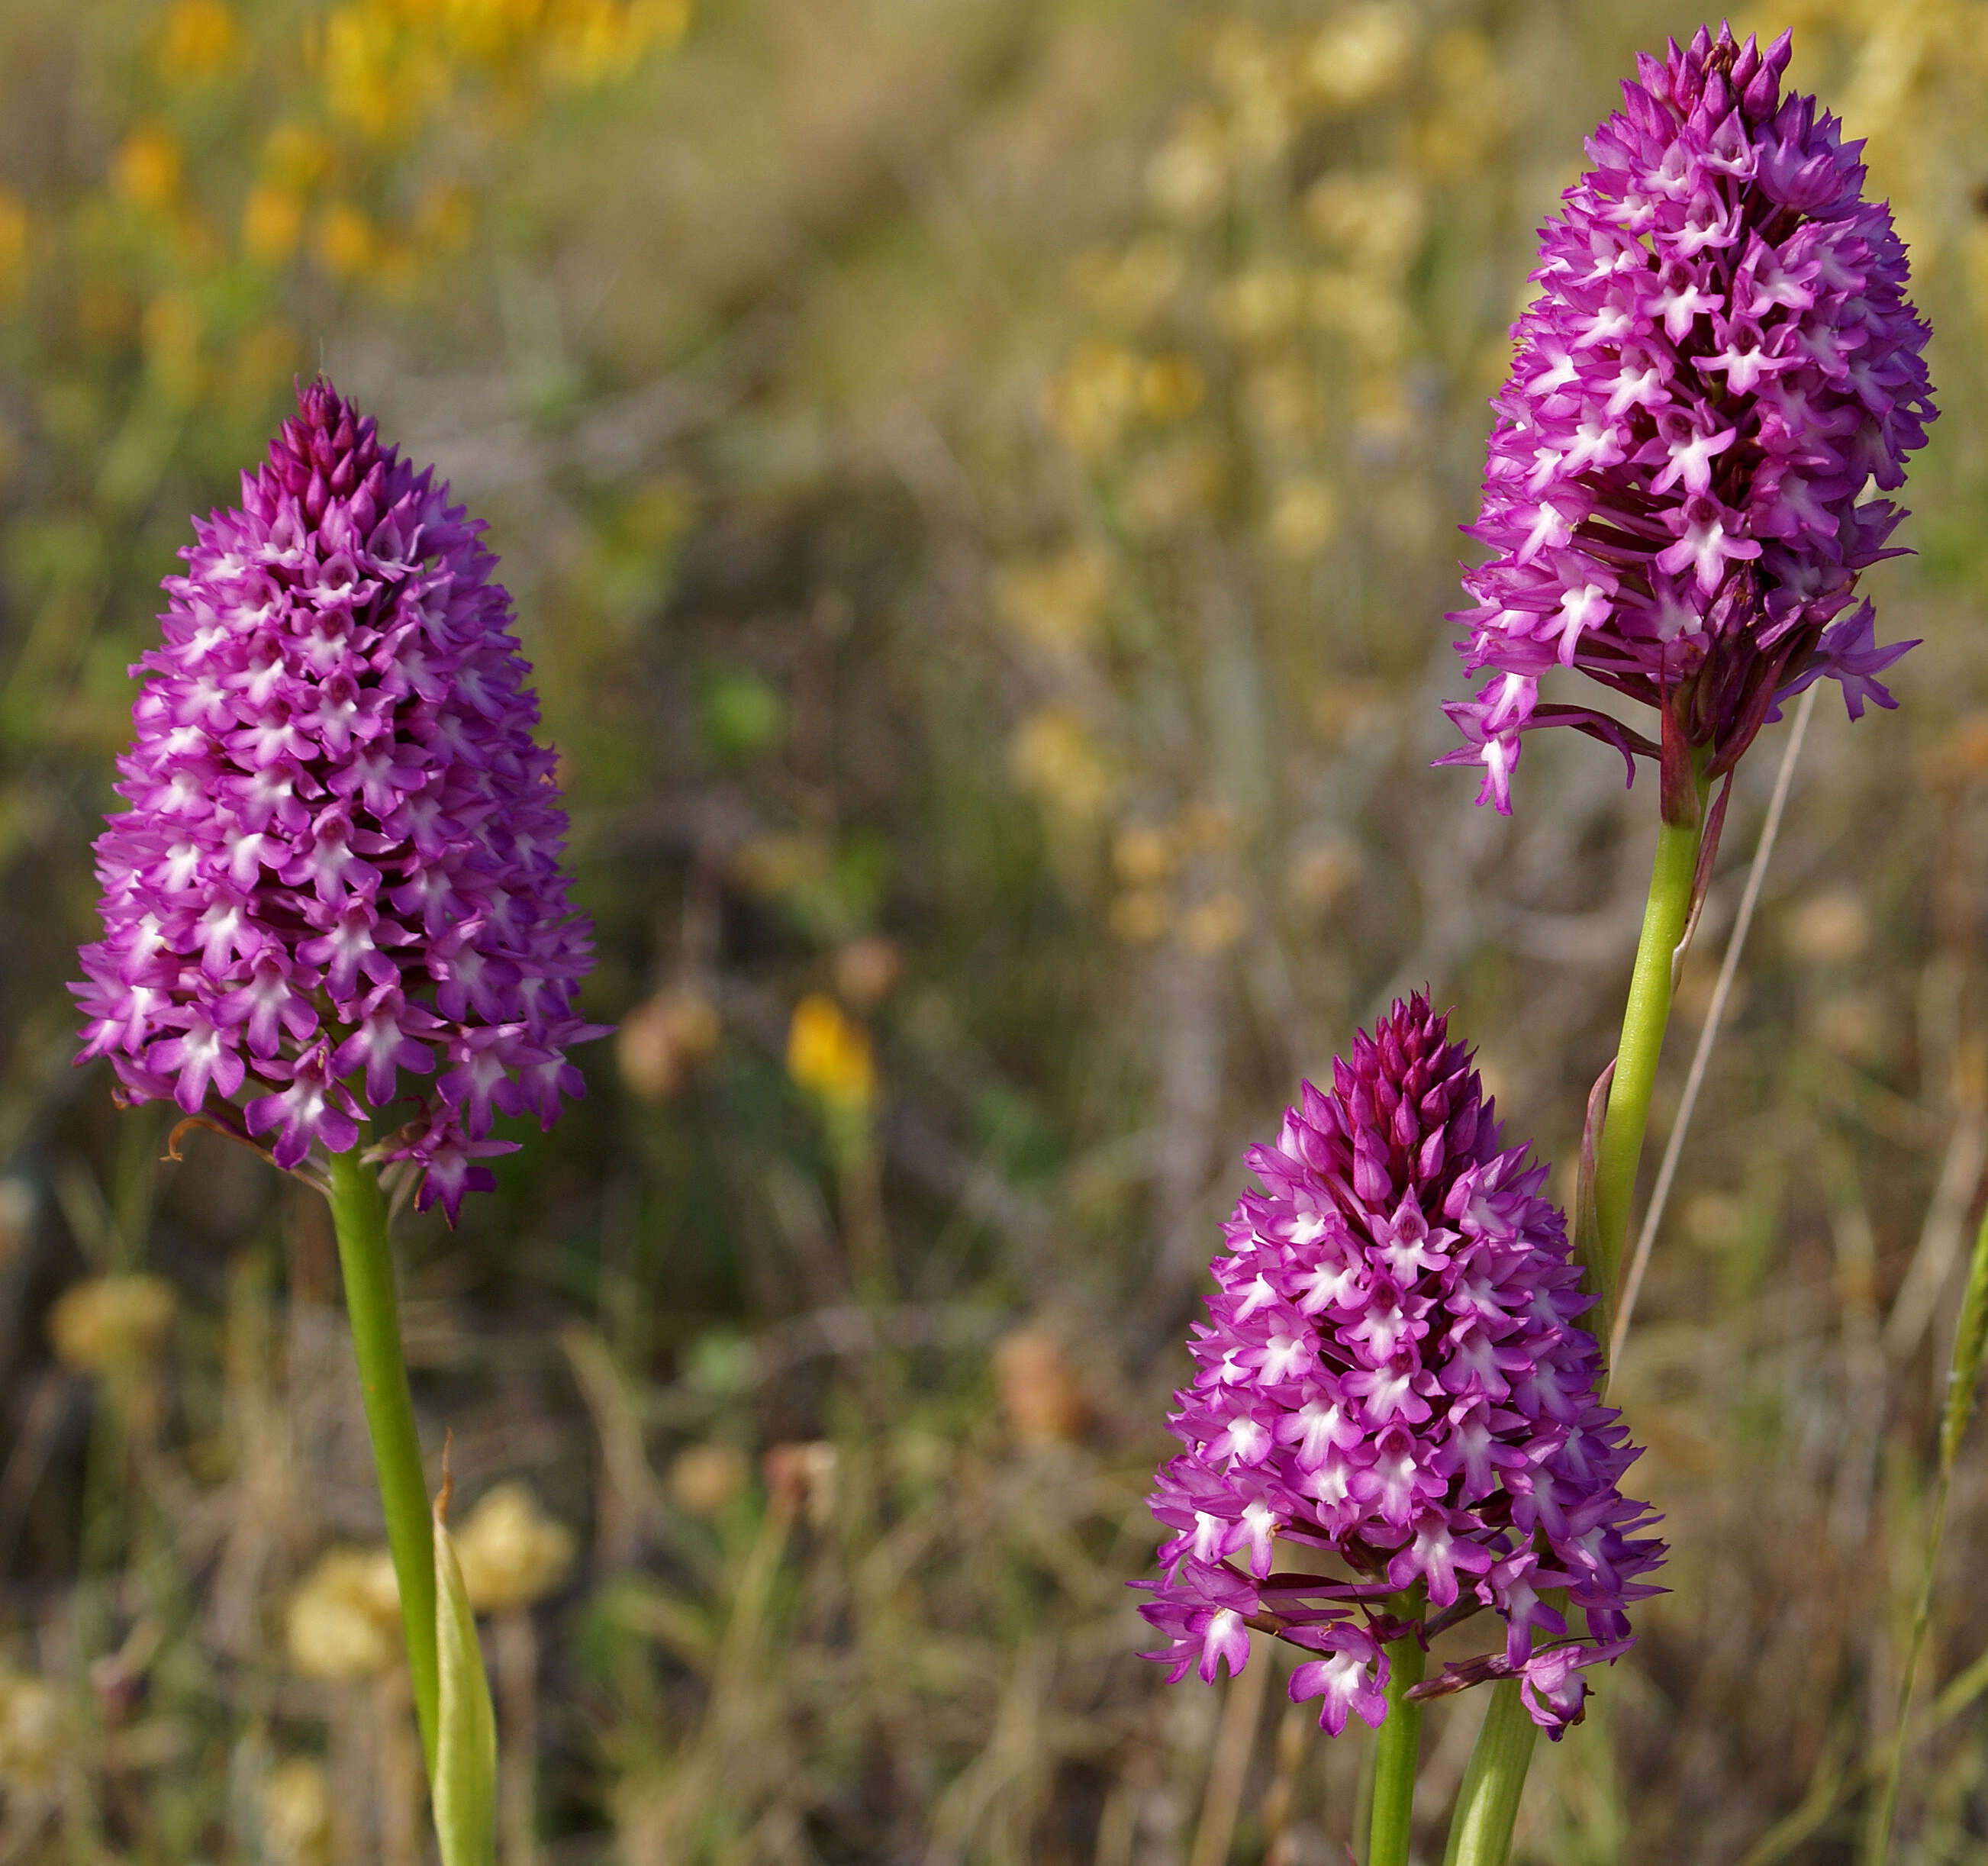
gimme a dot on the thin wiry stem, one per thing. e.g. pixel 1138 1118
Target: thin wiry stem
pixel 1963 1381
pixel 1701 1057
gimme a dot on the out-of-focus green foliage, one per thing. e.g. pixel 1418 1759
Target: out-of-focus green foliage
pixel 978 480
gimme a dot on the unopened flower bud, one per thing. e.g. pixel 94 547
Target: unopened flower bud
pixel 800 1478
pixel 703 1478
pixel 1040 1397
pixel 662 1040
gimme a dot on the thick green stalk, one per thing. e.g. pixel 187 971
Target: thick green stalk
pixel 1397 1752
pixel 1487 1805
pixel 359 1214
pixel 1643 1019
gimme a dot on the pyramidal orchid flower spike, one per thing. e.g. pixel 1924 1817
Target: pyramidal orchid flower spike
pixel 336 890
pixel 1718 374
pixel 1393 1423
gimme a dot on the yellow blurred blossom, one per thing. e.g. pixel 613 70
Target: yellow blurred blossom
pixel 1258 305
pixel 146 169
pixel 1171 388
pixel 199 39
pixel 345 241
pixel 1977 273
pixel 829 1053
pixel 1140 916
pixel 1363 53
pixel 1304 514
pixel 343 1618
pixel 1143 854
pixel 1282 401
pixel 1054 755
pixel 511 1553
pixel 1215 924
pixel 111 1324
pixel 1127 288
pixel 296 1813
pixel 1055 602
pixel 1188 178
pixel 1095 398
pixel 272 219
pixel 593 40
pixel 13 246
pixel 296 155
pixel 1172 486
pixel 1376 220
pixel 1207 826
pixel 775 865
pixel 32 1737
pixel 444 217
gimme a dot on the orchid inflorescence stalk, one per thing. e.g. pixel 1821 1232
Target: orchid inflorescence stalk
pixel 337 898
pixel 1395 1421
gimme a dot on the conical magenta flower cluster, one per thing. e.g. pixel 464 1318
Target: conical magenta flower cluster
pixel 1720 364
pixel 339 879
pixel 1393 1422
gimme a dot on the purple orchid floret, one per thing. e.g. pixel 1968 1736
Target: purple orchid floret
pixel 1394 1423
pixel 338 886
pixel 1719 366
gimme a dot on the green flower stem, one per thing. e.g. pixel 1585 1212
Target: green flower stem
pixel 1398 1750
pixel 1643 1019
pixel 1487 1805
pixel 359 1215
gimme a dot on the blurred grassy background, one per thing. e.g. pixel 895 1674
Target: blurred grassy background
pixel 978 478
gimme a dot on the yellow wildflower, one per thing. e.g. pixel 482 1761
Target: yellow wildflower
pixel 345 242
pixel 511 1553
pixel 829 1053
pixel 1215 924
pixel 271 219
pixel 13 246
pixel 110 1324
pixel 344 1617
pixel 146 169
pixel 1363 53
pixel 1304 516
pixel 1055 602
pixel 1094 400
pixel 1054 755
pixel 296 1813
pixel 199 39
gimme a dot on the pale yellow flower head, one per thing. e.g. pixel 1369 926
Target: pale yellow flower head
pixel 344 1617
pixel 511 1553
pixel 111 1324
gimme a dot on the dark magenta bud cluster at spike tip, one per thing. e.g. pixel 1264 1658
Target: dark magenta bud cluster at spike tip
pixel 1393 1423
pixel 338 886
pixel 1719 366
